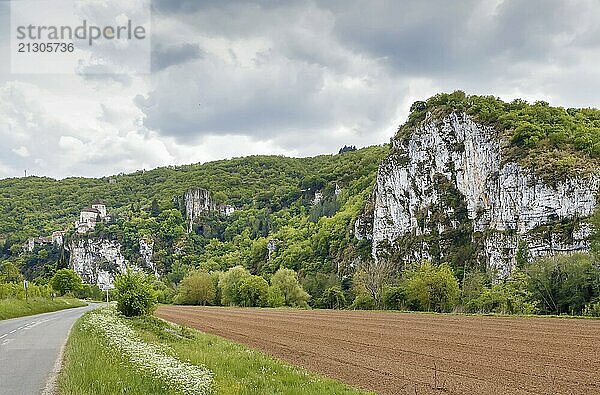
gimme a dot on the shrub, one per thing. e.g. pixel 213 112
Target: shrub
pixel 275 297
pixel 333 298
pixel 16 291
pixel 564 283
pixel 134 294
pixel 196 288
pixel 363 302
pixel 431 288
pixel 473 286
pixel 393 298
pixel 9 273
pixel 592 309
pixel 502 298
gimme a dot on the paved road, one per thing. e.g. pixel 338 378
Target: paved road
pixel 29 347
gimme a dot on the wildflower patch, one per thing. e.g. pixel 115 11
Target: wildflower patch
pixel 189 379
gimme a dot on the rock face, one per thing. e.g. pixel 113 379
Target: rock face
pixel 196 201
pixel 147 253
pixel 96 260
pixel 446 188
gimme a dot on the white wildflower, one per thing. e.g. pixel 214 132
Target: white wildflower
pixel 190 379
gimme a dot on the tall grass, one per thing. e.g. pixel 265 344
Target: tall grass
pixel 17 291
pixel 12 308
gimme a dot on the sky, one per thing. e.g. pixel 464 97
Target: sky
pixel 297 78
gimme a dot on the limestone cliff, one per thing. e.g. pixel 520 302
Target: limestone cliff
pixel 147 253
pixel 195 202
pixel 96 260
pixel 448 189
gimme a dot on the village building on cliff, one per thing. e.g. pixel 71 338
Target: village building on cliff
pixel 90 216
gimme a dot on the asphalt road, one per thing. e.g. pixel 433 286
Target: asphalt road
pixel 29 347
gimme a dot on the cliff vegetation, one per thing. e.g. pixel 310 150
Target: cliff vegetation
pixel 549 140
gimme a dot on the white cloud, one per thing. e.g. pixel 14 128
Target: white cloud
pixel 21 151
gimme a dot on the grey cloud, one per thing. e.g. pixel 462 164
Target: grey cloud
pixel 163 57
pixel 192 6
pixel 442 38
pixel 310 76
pixel 346 64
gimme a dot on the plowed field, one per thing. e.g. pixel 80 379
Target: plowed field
pixel 396 353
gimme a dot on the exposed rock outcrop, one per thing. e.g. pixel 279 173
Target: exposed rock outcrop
pixel 96 260
pixel 447 185
pixel 196 201
pixel 147 253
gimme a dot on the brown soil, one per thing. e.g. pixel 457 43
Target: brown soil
pixel 397 353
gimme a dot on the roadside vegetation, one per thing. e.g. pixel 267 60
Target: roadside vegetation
pixel 13 308
pixel 109 352
pixel 16 301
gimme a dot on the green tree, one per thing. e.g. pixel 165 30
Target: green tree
pixel 510 297
pixel 65 281
pixel 373 277
pixel 473 285
pixel 196 288
pixel 564 283
pixel 595 236
pixel 229 285
pixel 316 284
pixel 254 291
pixel 154 208
pixel 134 294
pixel 293 294
pixel 393 298
pixel 431 288
pixel 275 297
pixel 9 273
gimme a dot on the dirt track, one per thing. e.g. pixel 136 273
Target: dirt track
pixel 395 353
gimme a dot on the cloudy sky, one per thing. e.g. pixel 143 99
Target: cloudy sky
pixel 300 78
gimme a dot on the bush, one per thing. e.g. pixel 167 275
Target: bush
pixel 502 298
pixel 9 273
pixel 363 302
pixel 16 291
pixel 473 286
pixel 393 298
pixel 134 294
pixel 333 298
pixel 431 288
pixel 592 309
pixel 196 288
pixel 275 297
pixel 66 281
pixel 564 283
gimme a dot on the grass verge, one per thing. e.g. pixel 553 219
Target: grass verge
pixel 13 308
pixel 93 366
